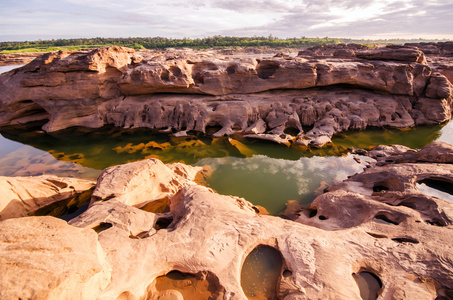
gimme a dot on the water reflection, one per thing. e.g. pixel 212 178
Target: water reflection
pixel 265 173
pixel 439 188
pixel 272 182
pixel 17 159
pixel 4 69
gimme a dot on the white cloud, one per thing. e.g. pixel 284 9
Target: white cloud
pixel 197 18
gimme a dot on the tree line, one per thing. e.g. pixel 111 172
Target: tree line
pixel 198 43
pixel 164 43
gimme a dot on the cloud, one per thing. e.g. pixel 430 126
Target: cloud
pixel 252 6
pixel 383 19
pixel 197 18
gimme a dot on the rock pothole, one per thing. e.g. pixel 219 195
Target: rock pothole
pixel 261 271
pixel 179 285
pixel 369 284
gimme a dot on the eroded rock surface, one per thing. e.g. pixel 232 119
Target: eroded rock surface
pixel 377 224
pixel 145 181
pixel 303 99
pixel 45 258
pixel 41 195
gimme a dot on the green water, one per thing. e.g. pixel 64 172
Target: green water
pixel 265 173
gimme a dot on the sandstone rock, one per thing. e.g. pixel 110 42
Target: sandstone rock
pixel 186 91
pixel 126 182
pixel 41 195
pixel 45 258
pixel 439 56
pixel 436 152
pixel 393 53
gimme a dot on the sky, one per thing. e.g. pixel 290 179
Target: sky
pixel 375 19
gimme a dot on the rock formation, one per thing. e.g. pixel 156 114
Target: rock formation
pixel 302 100
pixel 375 229
pixel 42 195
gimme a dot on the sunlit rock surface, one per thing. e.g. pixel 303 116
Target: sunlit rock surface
pixel 373 234
pixel 302 100
pixel 45 258
pixel 41 195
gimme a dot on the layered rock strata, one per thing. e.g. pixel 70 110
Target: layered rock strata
pixel 376 224
pixel 302 100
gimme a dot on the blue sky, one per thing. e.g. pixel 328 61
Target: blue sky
pixel 53 19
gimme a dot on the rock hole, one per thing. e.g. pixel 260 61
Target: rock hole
pixel 231 70
pixel 30 110
pixel 436 222
pixel 321 217
pixel 211 129
pixel 163 223
pixel 437 187
pixel 369 285
pixel 175 71
pixel 178 285
pixel 165 75
pixel 266 69
pixel 408 204
pixel 102 226
pixel 198 78
pixel 261 272
pixel 380 188
pixel 383 219
pixel 287 273
pixel 68 208
pixel 75 211
pixel 109 197
pixel 405 240
pixel 157 206
pixel 312 213
pixel 291 131
pixel 25 102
